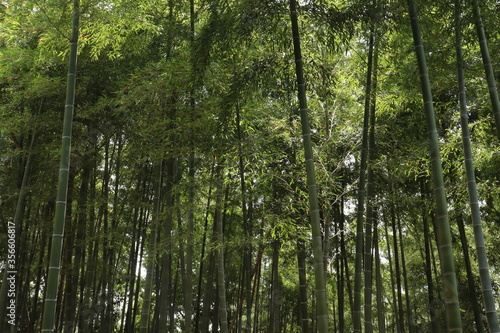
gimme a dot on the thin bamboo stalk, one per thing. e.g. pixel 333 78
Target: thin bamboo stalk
pixel 488 68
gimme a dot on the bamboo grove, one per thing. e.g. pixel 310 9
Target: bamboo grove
pixel 249 166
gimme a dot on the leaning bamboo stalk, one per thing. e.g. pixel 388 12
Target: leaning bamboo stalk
pixel 484 272
pixel 488 68
pixel 49 309
pixel 448 275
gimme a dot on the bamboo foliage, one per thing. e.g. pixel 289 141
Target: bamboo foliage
pixel 49 310
pixel 453 317
pixel 198 246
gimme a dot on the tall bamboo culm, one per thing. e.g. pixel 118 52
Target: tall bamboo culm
pixel 49 308
pixel 152 251
pixel 484 272
pixel 448 275
pixel 370 188
pixel 317 242
pixel 488 68
pixel 358 262
pixel 219 237
pixel 18 218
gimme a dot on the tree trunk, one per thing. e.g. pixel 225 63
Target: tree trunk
pixel 339 266
pixel 138 282
pixel 38 282
pixel 209 274
pixel 207 299
pixel 488 69
pixel 247 260
pixel 69 306
pixel 428 267
pixel 344 254
pixel 172 307
pixel 370 185
pixel 301 262
pixel 13 262
pixel 319 273
pixel 401 321
pixel 49 311
pixel 132 268
pixel 484 272
pixel 275 311
pixel 219 236
pixel 453 317
pixel 165 239
pixel 470 277
pixel 379 284
pixel 256 285
pixel 152 249
pixel 105 277
pixel 409 316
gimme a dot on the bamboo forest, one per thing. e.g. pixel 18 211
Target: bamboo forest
pixel 249 166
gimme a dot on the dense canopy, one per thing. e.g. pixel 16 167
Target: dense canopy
pixel 249 166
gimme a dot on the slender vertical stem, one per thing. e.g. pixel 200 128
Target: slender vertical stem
pixel 484 272
pixel 471 283
pixel 188 281
pixel 152 249
pixel 301 262
pixel 319 272
pixel 11 272
pixel 391 271
pixel 358 264
pixel 206 302
pixel 48 320
pixel 275 308
pixel 401 321
pixel 339 266
pixel 379 284
pixel 219 236
pixel 488 68
pixel 449 278
pixel 164 299
pixel 370 188
pixel 409 316
pixel 428 268
pixel 247 255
